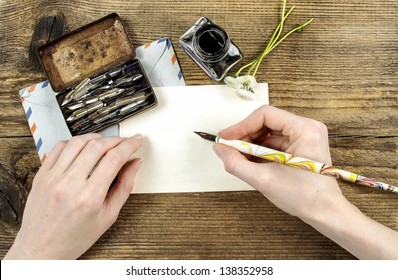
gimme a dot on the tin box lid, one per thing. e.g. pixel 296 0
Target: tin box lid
pixel 86 52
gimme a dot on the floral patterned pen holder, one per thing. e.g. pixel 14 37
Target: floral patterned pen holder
pixel 211 48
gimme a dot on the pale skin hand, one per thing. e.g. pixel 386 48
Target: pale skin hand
pixel 314 198
pixel 70 205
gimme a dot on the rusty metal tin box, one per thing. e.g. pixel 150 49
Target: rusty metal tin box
pixel 96 76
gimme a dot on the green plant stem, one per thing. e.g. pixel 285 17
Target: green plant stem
pixel 274 39
pixel 273 42
pixel 244 67
pixel 300 27
pixel 279 28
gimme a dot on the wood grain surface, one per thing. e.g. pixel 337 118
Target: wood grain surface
pixel 341 70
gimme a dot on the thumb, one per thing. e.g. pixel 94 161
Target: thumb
pixel 238 165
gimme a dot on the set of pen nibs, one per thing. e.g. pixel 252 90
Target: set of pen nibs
pixel 100 112
pixel 94 101
pixel 93 86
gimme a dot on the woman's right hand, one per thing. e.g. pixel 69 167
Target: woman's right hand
pixel 297 192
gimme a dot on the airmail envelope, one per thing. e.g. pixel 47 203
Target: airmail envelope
pixel 44 115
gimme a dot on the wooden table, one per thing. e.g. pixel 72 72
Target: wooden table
pixel 341 70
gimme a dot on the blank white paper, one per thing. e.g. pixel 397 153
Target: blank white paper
pixel 175 158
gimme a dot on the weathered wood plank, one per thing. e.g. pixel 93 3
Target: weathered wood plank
pixel 205 225
pixel 358 67
pixel 341 70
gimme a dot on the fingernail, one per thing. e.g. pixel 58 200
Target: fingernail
pixel 138 136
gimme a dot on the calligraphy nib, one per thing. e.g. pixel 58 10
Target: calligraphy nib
pixel 206 136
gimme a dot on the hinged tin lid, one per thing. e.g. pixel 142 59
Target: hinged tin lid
pixel 86 52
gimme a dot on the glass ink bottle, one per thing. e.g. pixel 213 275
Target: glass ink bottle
pixel 211 48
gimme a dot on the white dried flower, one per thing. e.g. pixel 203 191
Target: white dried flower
pixel 230 81
pixel 244 85
pixel 245 94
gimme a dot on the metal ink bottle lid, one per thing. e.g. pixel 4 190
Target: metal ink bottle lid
pixel 211 48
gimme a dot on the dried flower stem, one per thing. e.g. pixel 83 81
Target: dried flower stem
pixel 273 42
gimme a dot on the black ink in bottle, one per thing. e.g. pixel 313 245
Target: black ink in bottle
pixel 211 48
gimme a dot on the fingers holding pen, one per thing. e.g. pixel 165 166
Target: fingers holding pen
pixel 278 122
pixel 262 121
pixel 237 164
pixel 277 129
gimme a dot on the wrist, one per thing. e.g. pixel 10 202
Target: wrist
pixel 346 225
pixel 335 219
pixel 20 251
pixel 329 214
pixel 14 254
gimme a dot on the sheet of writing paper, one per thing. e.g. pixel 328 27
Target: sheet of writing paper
pixel 176 159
